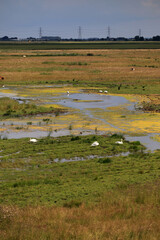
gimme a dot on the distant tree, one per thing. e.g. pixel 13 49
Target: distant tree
pixel 13 38
pixel 137 38
pixel 156 38
pixel 5 38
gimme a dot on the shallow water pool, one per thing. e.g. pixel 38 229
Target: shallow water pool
pixel 88 113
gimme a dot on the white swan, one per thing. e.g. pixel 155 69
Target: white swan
pixel 94 144
pixel 120 142
pixel 33 140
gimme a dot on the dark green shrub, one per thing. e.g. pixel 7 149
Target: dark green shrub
pixel 117 135
pixel 90 54
pixel 75 138
pixel 136 143
pixel 105 160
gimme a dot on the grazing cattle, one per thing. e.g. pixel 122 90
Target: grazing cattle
pixel 132 69
pixel 1 78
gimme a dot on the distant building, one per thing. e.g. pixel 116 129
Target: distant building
pixel 121 39
pixel 50 38
pixel 93 39
pixel 31 39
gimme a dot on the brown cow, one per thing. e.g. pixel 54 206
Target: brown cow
pixel 1 78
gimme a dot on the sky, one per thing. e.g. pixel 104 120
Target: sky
pixel 24 18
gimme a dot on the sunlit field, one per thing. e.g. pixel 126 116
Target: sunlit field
pixel 61 187
pixel 93 68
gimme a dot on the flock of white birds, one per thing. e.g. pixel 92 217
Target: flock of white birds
pixel 101 91
pixel 94 144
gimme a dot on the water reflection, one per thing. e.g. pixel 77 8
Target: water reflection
pixel 83 101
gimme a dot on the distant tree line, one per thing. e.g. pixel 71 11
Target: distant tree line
pixel 136 38
pixel 6 38
pixel 156 38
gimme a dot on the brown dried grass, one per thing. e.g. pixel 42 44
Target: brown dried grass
pixel 105 66
pixel 132 213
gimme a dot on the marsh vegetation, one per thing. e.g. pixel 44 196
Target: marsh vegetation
pixel 109 69
pixel 103 192
pixel 62 187
pixel 10 108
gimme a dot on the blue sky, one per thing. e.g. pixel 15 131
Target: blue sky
pixel 23 18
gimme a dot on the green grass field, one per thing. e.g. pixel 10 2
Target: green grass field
pixel 107 198
pixel 78 45
pixel 30 176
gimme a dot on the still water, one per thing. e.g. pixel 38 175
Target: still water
pixel 80 102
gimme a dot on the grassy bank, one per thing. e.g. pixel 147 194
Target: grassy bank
pixel 130 213
pixel 150 107
pixel 153 105
pixel 10 108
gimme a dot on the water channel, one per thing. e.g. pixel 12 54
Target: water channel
pixel 93 108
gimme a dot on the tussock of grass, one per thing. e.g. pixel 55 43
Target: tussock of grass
pixel 150 107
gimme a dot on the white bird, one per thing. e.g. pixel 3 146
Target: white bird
pixel 106 91
pixel 24 56
pixel 94 144
pixel 33 140
pixel 120 142
pixel 67 92
pixel 100 91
